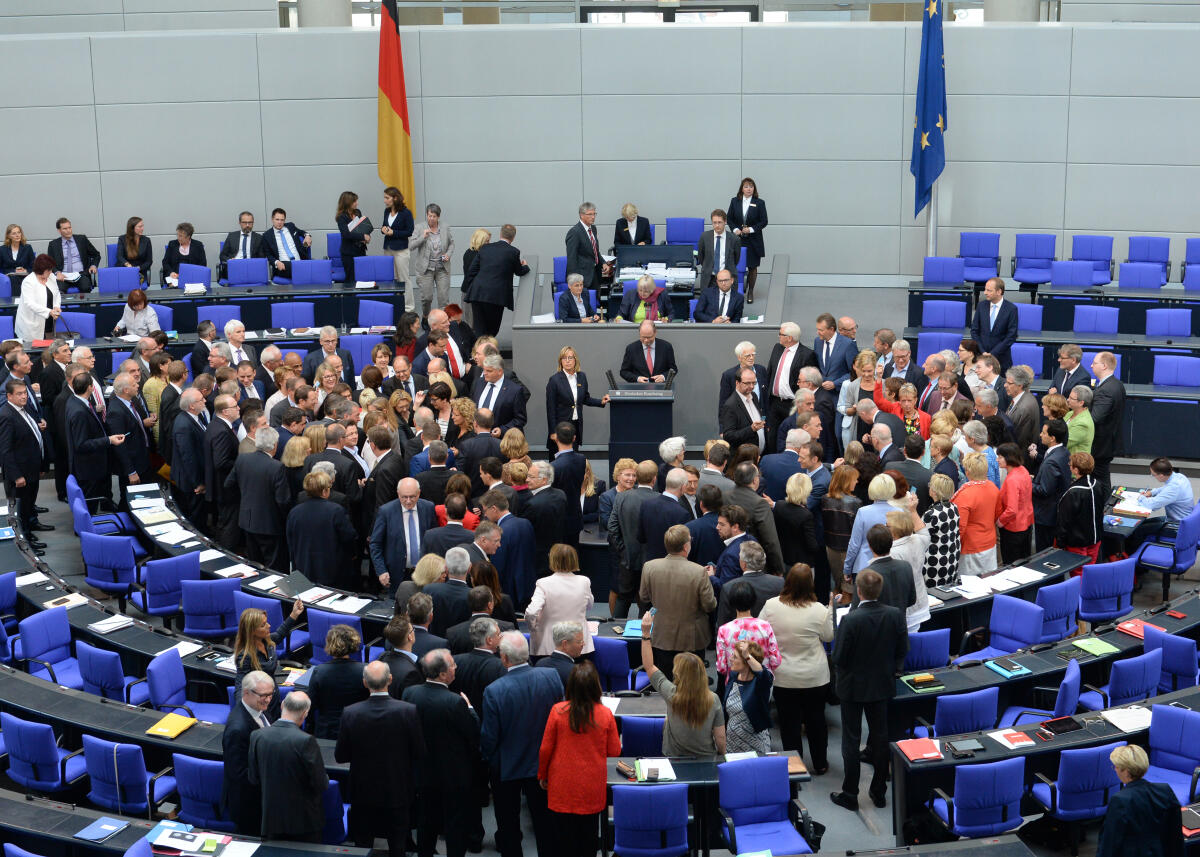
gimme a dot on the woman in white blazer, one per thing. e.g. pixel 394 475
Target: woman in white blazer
pixel 564 596
pixel 40 303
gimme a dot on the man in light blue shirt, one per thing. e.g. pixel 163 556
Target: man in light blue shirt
pixel 1174 496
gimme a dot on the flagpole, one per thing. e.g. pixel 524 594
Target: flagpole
pixel 931 223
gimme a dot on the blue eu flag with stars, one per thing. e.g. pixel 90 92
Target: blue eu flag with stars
pixel 929 128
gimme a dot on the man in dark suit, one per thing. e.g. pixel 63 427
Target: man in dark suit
pixel 390 466
pixel 718 249
pixel 649 359
pixel 475 448
pixel 514 560
pixel 480 665
pixel 779 467
pixel 897 574
pixel 515 709
pixel 284 243
pixel 1050 482
pixel 741 416
pixel 396 535
pixel 257 488
pixel 835 353
pixel 883 441
pixel 1108 413
pixel 21 451
pixel 73 254
pixel 491 277
pixel 546 510
pixel 433 481
pixel 450 596
pixel 480 602
pixel 347 469
pixel 994 325
pixel 732 523
pixel 500 394
pixel 220 454
pixel 460 340
pixel 1023 408
pixel 122 418
pixel 568 645
pixel 206 336
pixel 746 480
pixel 1070 372
pixel 328 348
pixel 321 539
pixel 569 472
pixel 285 762
pixel 187 456
pixel 659 512
pixel 868 653
pixel 752 559
pixel 399 657
pixel 911 469
pixel 987 369
pixel 420 613
pixel 746 355
pixel 88 442
pixel 706 544
pixel 583 250
pixel 405 379
pixel 450 726
pixel 720 304
pixel 241 798
pixel 382 740
pixel 1143 817
pixel 788 357
pixel 168 407
pixel 902 366
pixel 243 243
pixel 440 540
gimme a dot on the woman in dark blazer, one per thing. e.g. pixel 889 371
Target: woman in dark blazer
pixel 256 646
pixel 338 682
pixel 353 245
pixel 182 251
pixel 134 249
pixel 478 238
pixel 631 229
pixel 748 218
pixel 569 300
pixel 794 523
pixel 16 258
pixel 561 405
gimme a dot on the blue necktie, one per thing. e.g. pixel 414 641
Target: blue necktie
pixel 245 252
pixel 413 539
pixel 283 243
pixel 487 396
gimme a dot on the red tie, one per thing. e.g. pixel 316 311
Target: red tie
pixel 595 249
pixel 649 361
pixel 454 370
pixel 779 373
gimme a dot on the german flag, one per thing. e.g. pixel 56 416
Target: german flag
pixel 395 136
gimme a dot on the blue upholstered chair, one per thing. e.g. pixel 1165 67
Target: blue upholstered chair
pixel 943 269
pixel 1106 590
pixel 1029 318
pixel 208 608
pixel 559 278
pixel 119 780
pixel 1174 750
pixel 1014 624
pixel 200 782
pixel 140 848
pixel 651 821
pixel 35 761
pixel 1179 669
pixel 248 273
pixel 1154 249
pixel 986 801
pixel 45 643
pixel 641 736
pixel 1086 781
pixel 333 252
pixel 162 585
pixel 1095 319
pixel 1031 261
pixel 1065 703
pixel 612 662
pixel 219 314
pixel 308 272
pixel 756 806
pixel 109 564
pixel 319 623
pixel 1096 250
pixel 931 342
pixel 1131 680
pixel 1139 275
pixel 684 230
pixel 957 713
pixel 191 275
pixel 103 675
pixel 944 314
pixel 1169 322
pixel 1174 370
pixel 168 690
pixel 372 313
pixel 1030 354
pixel 980 252
pixel 8 600
pixel 113 280
pixel 1060 604
pixel 1072 275
pixel 359 345
pixel 83 323
pixel 377 269
pixel 927 650
pixel 1171 556
pixel 6 326
pixel 291 314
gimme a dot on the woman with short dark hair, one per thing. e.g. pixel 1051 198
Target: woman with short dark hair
pixel 184 250
pixel 338 682
pixel 40 303
pixel 138 317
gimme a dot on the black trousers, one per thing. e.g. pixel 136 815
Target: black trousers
pixel 24 499
pixel 93 488
pixel 487 318
pixel 388 822
pixel 577 835
pixel 1014 546
pixel 804 707
pixel 777 411
pixel 227 530
pixel 447 811
pixel 270 550
pixel 348 264
pixel 506 799
pixel 1103 475
pixel 852 717
pixel 1043 536
pixel 191 505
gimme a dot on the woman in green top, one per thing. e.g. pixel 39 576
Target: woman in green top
pixel 695 722
pixel 1080 428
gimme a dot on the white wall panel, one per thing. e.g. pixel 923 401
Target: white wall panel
pixel 1028 197
pixel 316 132
pixel 505 193
pixel 241 20
pixel 838 249
pixel 175 68
pixel 864 58
pixel 1134 131
pixel 655 131
pixel 68 57
pixel 1135 61
pixel 519 128
pixel 501 61
pixel 1023 129
pixel 310 194
pixel 999 59
pixel 660 189
pixel 49 196
pixel 821 127
pixel 230 136
pixel 50 138
pixel 836 193
pixel 1141 199
pixel 209 198
pixel 663 60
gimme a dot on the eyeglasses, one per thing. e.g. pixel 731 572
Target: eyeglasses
pixel 266 695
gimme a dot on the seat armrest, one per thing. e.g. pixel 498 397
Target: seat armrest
pixel 167 705
pixel 151 803
pixel 1169 263
pixel 293 664
pixel 206 682
pixel 129 688
pixel 962 646
pixel 921 721
pixel 801 820
pixel 366 649
pixel 1192 789
pixel 937 792
pixel 1053 791
pixel 62 767
pixel 729 830
pixel 49 667
pixel 1103 694
pixel 1013 267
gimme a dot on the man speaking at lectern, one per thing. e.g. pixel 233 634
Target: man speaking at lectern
pixel 649 359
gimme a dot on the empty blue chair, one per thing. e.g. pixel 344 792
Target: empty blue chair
pixel 140 848
pixel 1086 781
pixel 641 736
pixel 333 252
pixel 6 657
pixel 1029 354
pixel 1029 317
pixel 373 313
pixel 119 357
pixel 943 269
pixel 193 275
pixel 6 327
pixel 112 254
pixel 651 821
pixel 1065 703
pixel 684 230
pixel 109 564
pixel 1131 680
pixel 45 643
pixel 1089 356
pixel 1014 624
pixel 1060 604
pixel 319 623
pixel 82 323
pixel 755 800
pixel 986 801
pixel 248 273
pixel 200 782
pixel 740 270
pixel 6 289
pixel 83 522
pixel 306 272
pixel 1096 250
pixel 927 650
pixel 957 713
pixel 1031 261
pixel 559 278
pixel 1140 275
pixel 1095 319
pixel 1169 322
pixel 377 269
pixel 1174 750
pixel 219 314
pixel 168 690
pixel 166 316
pixel 35 761
pixel 1072 275
pixel 1106 590
pixel 208 608
pixel 112 522
pixel 1190 276
pixel 243 601
pixel 292 314
pixel 1179 668
pixel 612 662
pixel 1153 249
pixel 1172 370
pixel 931 342
pixel 1169 557
pixel 980 252
pixel 102 675
pixel 162 585
pixel 119 780
pixel 943 314
pixel 359 345
pixel 112 280
pixel 11 850
pixel 8 600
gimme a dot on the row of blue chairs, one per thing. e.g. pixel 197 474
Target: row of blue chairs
pixel 1089 318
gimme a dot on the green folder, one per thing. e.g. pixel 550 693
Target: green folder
pixel 1095 646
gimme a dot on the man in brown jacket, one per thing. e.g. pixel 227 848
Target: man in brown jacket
pixel 682 597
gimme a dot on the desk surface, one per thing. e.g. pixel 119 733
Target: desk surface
pixel 690 770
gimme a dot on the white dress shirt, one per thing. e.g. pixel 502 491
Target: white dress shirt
pixel 752 410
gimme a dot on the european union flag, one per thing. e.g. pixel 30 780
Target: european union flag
pixel 929 128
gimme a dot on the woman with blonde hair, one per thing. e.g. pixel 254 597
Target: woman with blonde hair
pixel 478 238
pixel 325 378
pixel 624 478
pixel 462 414
pixel 256 646
pixel 399 409
pixel 943 424
pixel 858 555
pixel 851 392
pixel 977 500
pixel 315 435
pixel 695 721
pixel 514 448
pixel 632 229
pixel 430 568
pixel 16 259
pixel 910 542
pixel 941 521
pixel 795 526
pixel 562 596
pixel 567 393
pixel 294 452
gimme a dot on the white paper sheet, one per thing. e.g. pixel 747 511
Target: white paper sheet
pixel 185 648
pixel 1023 574
pixel 235 570
pixel 211 553
pixel 31 578
pixel 611 703
pixel 1128 719
pixel 264 583
pixel 346 604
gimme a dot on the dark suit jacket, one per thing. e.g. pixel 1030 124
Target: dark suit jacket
pixel 569 471
pixel 776 470
pixel 492 273
pixel 765 586
pixel 709 305
pixel 426 642
pixel 471 451
pixel 347 471
pixel 560 662
pixel 391 385
pixel 433 483
pixel 868 651
pixel 1051 481
pixel 918 479
pixel 1142 819
pixel 333 686
pixel 756 218
pixel 898 587
pixel 25 259
pixel 387 475
pixel 581 258
pixel 735 424
pixel 641 231
pixel 474 671
pixel 187 453
pixel 241 798
pixel 706 544
pixel 729 379
pixel 891 455
pixel 451 732
pixel 199 358
pixel 88 254
pixel 258 483
pixel 708 265
pixel 515 709
pixel 53 382
pixel 660 300
pixel 381 739
pixel 459 634
pixel 389 541
pixel 286 764
pixel 547 512
pixel 1064 384
pixel 658 513
pixel 136 458
pixel 275 253
pixel 172 258
pixel 461 333
pixel 233 246
pixel 1026 417
pixel 321 540
pixel 841 359
pixel 449 602
pixel 804 356
pixel 314 358
pixel 406 672
pixel 762 524
pixel 507 405
pixel 20 453
pixel 1108 410
pixel 87 442
pixel 568 312
pixel 997 340
pixel 220 454
pixel 633 364
pixel 947 468
pixel 911 373
pixel 514 560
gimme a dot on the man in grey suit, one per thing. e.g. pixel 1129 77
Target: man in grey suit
pixel 623 532
pixel 762 521
pixel 753 560
pixel 1023 410
pixel 719 249
pixel 713 472
pixel 286 763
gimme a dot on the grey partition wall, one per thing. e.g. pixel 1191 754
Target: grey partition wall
pixel 702 353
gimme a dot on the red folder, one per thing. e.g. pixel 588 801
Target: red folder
pixel 920 749
pixel 1137 628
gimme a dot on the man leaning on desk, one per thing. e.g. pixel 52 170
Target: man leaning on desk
pixel 649 360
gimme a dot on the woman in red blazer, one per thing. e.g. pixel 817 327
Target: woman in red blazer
pixel 572 765
pixel 904 406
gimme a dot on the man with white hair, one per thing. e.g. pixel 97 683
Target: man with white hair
pixel 249 714
pixel 328 348
pixel 870 416
pixel 902 366
pixel 503 396
pixel 1023 408
pixel 583 249
pixel 741 414
pixel 661 512
pixel 264 373
pixel 450 595
pixel 568 645
pixel 779 467
pixel 885 448
pixel 930 400
pixel 987 404
pixel 546 510
pixel 516 707
pixel 235 335
pixel 133 456
pixel 746 354
pixel 219 356
pixel 459 339
pixel 258 488
pixel 783 374
pixel 187 455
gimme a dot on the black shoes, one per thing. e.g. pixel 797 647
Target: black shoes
pixel 35 543
pixel 844 800
pixel 39 527
pixel 41 509
pixel 880 800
